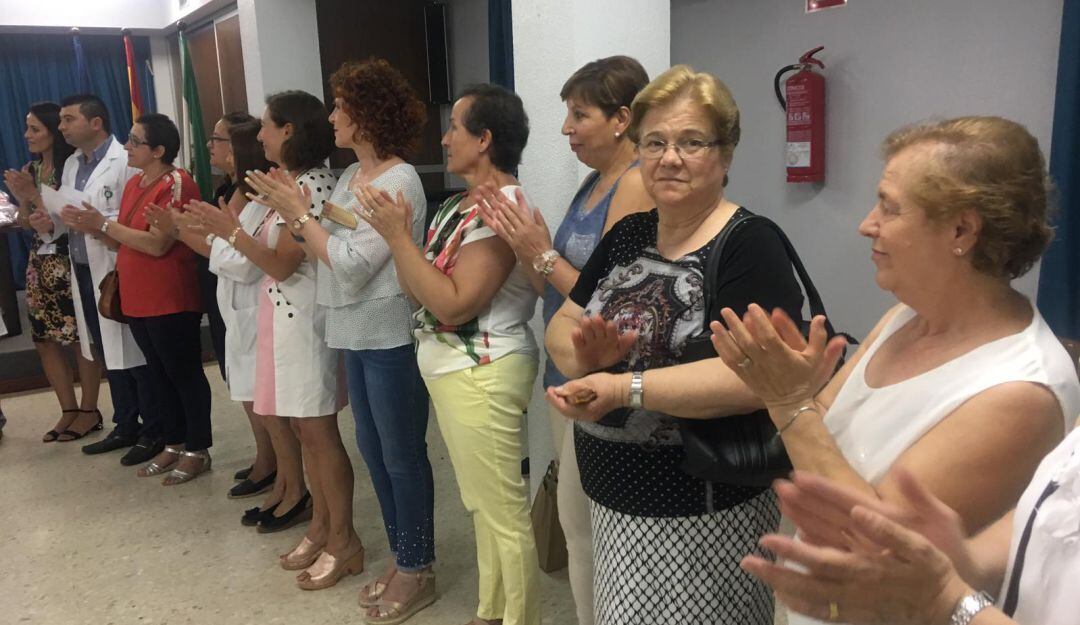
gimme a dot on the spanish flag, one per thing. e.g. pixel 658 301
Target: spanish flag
pixel 133 78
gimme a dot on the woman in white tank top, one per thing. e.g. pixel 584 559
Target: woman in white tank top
pixel 962 384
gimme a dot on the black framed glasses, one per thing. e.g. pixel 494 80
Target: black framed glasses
pixel 135 142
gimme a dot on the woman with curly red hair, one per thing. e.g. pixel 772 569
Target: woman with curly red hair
pixel 377 115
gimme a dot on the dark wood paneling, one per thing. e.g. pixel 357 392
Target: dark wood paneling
pixel 355 30
pixel 231 57
pixel 204 60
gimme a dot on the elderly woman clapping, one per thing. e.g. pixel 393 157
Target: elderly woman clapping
pixel 628 332
pixel 964 372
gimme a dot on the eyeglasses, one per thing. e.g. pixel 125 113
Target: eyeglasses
pixel 653 149
pixel 135 142
pixel 217 139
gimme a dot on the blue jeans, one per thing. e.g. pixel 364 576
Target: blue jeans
pixel 390 406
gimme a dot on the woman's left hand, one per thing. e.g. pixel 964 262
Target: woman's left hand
pixel 217 220
pixel 86 219
pixel 521 226
pixel 280 192
pixel 161 218
pixel 589 398
pixel 391 218
pixel 895 577
pixel 770 356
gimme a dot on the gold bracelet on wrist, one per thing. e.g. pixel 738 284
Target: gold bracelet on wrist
pixel 232 236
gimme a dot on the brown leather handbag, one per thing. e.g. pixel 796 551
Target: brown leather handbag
pixel 109 301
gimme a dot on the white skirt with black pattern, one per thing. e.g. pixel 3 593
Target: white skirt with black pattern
pixel 682 570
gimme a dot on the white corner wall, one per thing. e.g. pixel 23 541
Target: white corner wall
pixel 552 39
pixel 280 41
pixel 888 63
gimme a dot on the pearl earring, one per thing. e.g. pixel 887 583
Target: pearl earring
pixel 617 134
pixel 958 251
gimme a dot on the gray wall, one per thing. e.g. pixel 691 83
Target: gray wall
pixel 888 63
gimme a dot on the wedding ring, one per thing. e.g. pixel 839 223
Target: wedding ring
pixel 746 362
pixel 834 611
pixel 78 219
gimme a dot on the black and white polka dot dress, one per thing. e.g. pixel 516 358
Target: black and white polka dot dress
pixel 667 545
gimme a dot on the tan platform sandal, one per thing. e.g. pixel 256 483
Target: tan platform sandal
pixel 394 612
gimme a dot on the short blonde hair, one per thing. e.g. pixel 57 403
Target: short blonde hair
pixel 994 167
pixel 703 89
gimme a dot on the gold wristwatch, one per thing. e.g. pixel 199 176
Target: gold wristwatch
pixel 299 222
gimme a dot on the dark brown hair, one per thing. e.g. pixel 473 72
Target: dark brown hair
pixel 608 84
pixel 312 138
pixel 248 153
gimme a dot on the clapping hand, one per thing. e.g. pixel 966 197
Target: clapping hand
pixel 771 357
pixel 522 227
pixel 280 192
pixel 86 219
pixel 161 218
pixel 41 222
pixel 21 184
pixel 206 218
pixel 390 217
pixel 598 344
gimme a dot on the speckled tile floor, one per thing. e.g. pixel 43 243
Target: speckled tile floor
pixel 84 541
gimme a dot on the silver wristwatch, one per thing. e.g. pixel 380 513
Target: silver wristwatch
pixel 969 606
pixel 544 263
pixel 637 391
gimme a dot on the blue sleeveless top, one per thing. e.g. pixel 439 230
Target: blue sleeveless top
pixel 578 235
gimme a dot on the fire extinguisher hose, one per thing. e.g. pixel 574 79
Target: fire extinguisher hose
pixel 776 82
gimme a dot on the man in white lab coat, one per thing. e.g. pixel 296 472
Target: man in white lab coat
pixel 99 169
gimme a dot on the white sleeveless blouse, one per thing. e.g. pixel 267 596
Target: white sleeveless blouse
pixel 874 426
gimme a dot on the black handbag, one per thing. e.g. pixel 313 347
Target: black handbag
pixel 738 450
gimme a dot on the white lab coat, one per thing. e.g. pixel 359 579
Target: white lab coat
pixel 103 190
pixel 238 299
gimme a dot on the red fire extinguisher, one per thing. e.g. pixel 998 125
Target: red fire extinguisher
pixel 805 106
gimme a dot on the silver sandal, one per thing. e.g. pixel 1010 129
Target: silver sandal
pixel 176 476
pixel 154 468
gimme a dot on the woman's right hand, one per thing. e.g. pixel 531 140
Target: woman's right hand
pixel 217 220
pixel 21 184
pixel 598 344
pixel 41 222
pixel 771 357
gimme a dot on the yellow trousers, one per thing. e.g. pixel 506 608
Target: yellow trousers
pixel 480 413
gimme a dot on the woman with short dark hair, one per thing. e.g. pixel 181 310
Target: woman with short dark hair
pixel 159 295
pixel 474 348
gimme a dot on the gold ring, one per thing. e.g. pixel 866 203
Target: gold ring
pixel 834 611
pixel 78 219
pixel 746 362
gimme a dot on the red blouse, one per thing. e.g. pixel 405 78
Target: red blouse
pixel 152 286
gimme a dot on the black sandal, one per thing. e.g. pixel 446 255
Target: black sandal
pixel 74 436
pixel 297 514
pixel 52 435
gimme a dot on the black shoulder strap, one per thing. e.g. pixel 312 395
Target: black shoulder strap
pixel 712 270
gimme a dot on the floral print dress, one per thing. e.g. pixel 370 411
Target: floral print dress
pixel 48 283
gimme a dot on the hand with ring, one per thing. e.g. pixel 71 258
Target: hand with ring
pixel 278 190
pixel 161 219
pixel 390 217
pixel 897 578
pixel 86 219
pixel 770 355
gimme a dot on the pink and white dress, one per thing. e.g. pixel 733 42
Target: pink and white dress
pixel 296 374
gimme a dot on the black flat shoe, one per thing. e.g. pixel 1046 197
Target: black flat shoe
pixel 252 516
pixel 243 474
pixel 297 514
pixel 72 435
pixel 144 450
pixel 115 440
pixel 247 488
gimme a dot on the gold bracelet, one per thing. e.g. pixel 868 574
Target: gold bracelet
pixel 232 236
pixel 795 415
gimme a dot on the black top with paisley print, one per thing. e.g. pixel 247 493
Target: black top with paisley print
pixel 630 460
